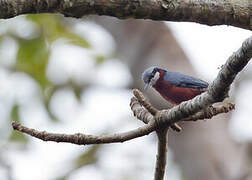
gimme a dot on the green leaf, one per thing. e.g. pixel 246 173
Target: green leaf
pixel 77 93
pixel 15 113
pixel 55 27
pixel 33 54
pixel 18 137
pixel 48 93
pixel 78 41
pixel 77 89
pixel 99 59
pixel 50 113
pixel 62 178
pixel 15 135
pixel 32 58
pixel 88 157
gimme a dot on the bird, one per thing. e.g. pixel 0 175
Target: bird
pixel 173 86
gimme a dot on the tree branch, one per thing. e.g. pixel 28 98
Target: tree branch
pixel 211 111
pixel 217 92
pixel 209 12
pixel 162 153
pixel 140 112
pixel 143 114
pixel 151 109
pixel 162 133
pixel 83 139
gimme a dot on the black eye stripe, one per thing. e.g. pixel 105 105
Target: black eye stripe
pixel 152 75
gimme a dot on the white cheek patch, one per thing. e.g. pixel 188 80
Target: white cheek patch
pixel 155 78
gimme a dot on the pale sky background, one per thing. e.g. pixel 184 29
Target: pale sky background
pixel 207 47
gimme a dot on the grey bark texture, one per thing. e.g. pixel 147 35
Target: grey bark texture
pixel 210 12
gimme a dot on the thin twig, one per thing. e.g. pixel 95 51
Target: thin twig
pixel 162 134
pixel 140 112
pixel 143 115
pixel 83 139
pixel 211 112
pixel 144 102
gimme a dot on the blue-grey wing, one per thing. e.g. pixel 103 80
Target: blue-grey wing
pixel 181 80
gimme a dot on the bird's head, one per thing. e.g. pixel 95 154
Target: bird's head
pixel 150 76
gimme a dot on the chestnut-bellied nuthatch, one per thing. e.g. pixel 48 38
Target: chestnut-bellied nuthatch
pixel 173 86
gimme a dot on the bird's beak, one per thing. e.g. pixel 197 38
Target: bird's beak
pixel 146 87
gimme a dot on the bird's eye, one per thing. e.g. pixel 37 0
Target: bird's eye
pixel 152 75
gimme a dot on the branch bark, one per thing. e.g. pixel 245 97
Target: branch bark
pixel 162 134
pixel 83 139
pixel 141 99
pixel 162 154
pixel 214 12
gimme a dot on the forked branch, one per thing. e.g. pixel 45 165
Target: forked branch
pixel 192 110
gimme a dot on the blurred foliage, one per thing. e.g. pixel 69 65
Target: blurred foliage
pixel 34 52
pixel 17 136
pixel 54 27
pixel 86 158
pixel 32 58
pixel 77 89
pixel 100 59
pixel 15 113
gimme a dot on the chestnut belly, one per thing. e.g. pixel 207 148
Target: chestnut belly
pixel 175 94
